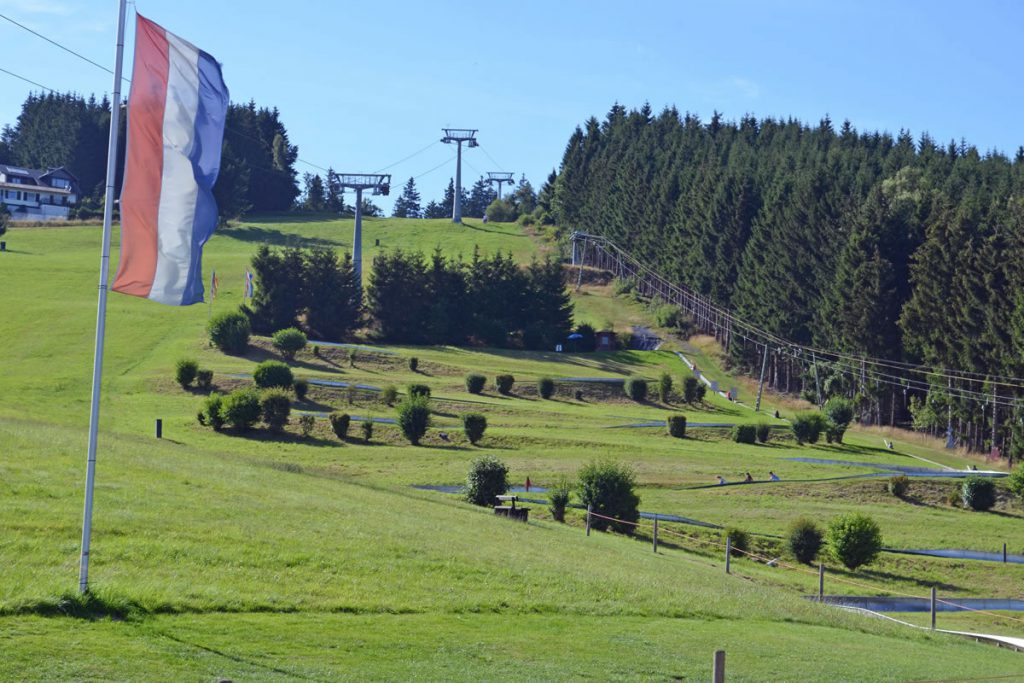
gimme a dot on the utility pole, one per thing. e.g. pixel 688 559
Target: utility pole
pixel 500 178
pixel 379 185
pixel 458 136
pixel 760 383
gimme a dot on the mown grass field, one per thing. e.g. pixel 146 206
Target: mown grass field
pixel 276 558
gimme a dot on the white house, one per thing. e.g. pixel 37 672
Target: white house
pixel 33 195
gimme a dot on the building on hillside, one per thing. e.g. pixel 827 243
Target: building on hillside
pixel 34 195
pixel 605 340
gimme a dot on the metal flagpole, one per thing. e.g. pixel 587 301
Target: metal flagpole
pixel 101 313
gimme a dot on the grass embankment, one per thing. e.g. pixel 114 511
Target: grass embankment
pixel 277 558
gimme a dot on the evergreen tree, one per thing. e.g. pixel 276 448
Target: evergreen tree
pixel 398 297
pixel 480 196
pixel 316 198
pixel 279 297
pixel 408 203
pixel 331 294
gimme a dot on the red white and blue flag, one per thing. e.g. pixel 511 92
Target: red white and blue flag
pixel 176 114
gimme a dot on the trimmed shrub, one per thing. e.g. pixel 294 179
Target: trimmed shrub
pixel 351 358
pixel 738 540
pixel 546 387
pixel 607 486
pixel 301 388
pixel 690 385
pixel 289 341
pixel 241 408
pixel 764 431
pixel 803 540
pixel 636 389
pixel 418 390
pixel 389 394
pixel 676 425
pixel 487 479
pixel 744 434
pixel 854 540
pixel 559 496
pixel 367 426
pixel 838 413
pixel 307 422
pixel 212 413
pixel 185 371
pixel 229 331
pixel 475 383
pixel 475 425
pixel 275 407
pixel 808 426
pixel 204 379
pixel 978 493
pixel 316 350
pixel 350 394
pixel 665 387
pixel 702 391
pixel 339 424
pixel 898 485
pixel 414 418
pixel 504 384
pixel 273 373
pixel 1016 482
pixel 414 363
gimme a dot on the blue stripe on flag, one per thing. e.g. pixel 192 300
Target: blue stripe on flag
pixel 205 157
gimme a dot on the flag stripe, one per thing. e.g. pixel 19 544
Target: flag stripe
pixel 211 113
pixel 178 185
pixel 140 195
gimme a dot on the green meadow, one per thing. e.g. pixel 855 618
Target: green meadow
pixel 262 557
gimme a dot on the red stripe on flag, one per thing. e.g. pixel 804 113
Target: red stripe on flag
pixel 140 195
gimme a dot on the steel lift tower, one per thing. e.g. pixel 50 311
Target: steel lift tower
pixel 380 185
pixel 458 136
pixel 495 177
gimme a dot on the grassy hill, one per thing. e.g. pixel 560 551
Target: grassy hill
pixel 259 558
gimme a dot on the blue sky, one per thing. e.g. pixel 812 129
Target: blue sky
pixel 362 85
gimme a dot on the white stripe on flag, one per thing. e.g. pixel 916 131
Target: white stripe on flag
pixel 178 190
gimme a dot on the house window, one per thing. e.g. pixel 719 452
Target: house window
pixel 19 196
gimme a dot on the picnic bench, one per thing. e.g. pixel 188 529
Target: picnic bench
pixel 510 510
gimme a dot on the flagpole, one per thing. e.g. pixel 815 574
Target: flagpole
pixel 101 313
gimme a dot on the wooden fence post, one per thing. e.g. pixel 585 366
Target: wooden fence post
pixel 821 582
pixel 718 672
pixel 589 508
pixel 655 539
pixel 728 552
pixel 933 607
pixel 1004 553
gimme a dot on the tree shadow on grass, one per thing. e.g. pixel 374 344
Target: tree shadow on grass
pixel 278 437
pixel 889 576
pixel 262 235
pixel 258 355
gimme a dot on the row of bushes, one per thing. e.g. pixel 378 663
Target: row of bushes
pixel 606 486
pixel 758 433
pixel 187 371
pixel 243 408
pixel 476 382
pixel 852 540
pixel 694 390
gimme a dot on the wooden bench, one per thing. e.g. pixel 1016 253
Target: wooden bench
pixel 510 510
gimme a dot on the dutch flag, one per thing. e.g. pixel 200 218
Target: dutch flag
pixel 176 114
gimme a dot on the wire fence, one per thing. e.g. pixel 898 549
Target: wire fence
pixel 724 546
